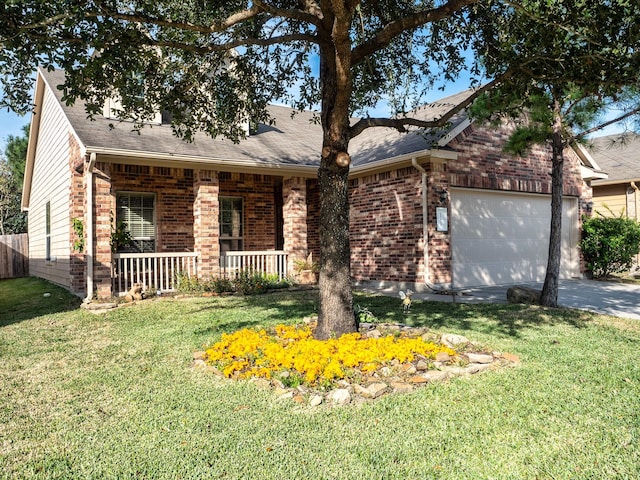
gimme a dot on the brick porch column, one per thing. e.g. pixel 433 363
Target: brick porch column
pixel 77 259
pixel 294 213
pixel 206 228
pixel 104 206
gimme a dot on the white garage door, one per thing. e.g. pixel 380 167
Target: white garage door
pixel 501 238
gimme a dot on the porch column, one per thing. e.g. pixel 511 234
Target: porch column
pixel 103 209
pixel 206 228
pixel 77 256
pixel 294 213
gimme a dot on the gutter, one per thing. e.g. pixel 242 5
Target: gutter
pixel 89 216
pixel 141 157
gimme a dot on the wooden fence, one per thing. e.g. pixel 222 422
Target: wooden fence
pixel 14 256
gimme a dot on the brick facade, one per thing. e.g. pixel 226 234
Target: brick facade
pixel 386 208
pixel 77 210
pixel 386 226
pixel 386 212
pixel 173 189
pixel 206 229
pixel 103 205
pixel 258 198
pixel 294 192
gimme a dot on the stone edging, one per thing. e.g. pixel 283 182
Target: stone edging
pixel 393 378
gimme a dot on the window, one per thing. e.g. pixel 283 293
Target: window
pixel 231 224
pixel 136 212
pixel 47 232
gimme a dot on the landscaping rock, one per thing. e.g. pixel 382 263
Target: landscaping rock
pixel 521 294
pixel 401 387
pixel 362 391
pixel 377 389
pixel 479 358
pixel 442 357
pixel 316 400
pixel 452 340
pixel 418 379
pixel 477 367
pixel 422 365
pixel 373 334
pixel 339 396
pixel 435 376
pixel 200 355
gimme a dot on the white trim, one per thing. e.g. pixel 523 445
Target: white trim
pixel 451 134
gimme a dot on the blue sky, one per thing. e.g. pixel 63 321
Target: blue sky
pixel 11 124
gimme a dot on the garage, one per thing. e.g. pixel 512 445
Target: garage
pixel 501 238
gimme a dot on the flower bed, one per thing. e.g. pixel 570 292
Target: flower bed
pixel 291 352
pixel 380 359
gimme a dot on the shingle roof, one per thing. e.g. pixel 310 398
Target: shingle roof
pixel 620 159
pixel 291 140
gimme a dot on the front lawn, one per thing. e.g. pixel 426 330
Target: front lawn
pixel 115 396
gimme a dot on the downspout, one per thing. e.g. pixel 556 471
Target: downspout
pixel 89 212
pixel 635 199
pixel 425 222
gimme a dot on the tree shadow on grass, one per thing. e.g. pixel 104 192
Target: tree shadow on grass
pixel 24 298
pixel 493 319
pixel 236 312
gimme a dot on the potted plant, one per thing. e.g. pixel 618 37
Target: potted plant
pixel 306 270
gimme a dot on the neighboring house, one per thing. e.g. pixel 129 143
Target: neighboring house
pixel 450 210
pixel 618 194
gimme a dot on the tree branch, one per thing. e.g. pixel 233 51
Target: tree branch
pixel 395 28
pixel 400 124
pixel 258 7
pixel 635 111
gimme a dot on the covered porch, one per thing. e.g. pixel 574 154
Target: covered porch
pixel 202 224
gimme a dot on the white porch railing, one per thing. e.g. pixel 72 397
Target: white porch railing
pixel 155 270
pixel 270 262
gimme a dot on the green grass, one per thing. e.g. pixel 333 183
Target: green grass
pixel 114 396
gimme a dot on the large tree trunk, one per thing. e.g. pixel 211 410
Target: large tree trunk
pixel 335 315
pixel 549 295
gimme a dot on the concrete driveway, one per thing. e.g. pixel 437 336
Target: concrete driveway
pixel 617 299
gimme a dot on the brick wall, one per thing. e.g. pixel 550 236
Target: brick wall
pixel 103 205
pixel 173 189
pixel 313 218
pixel 294 192
pixel 77 261
pixel 258 194
pixel 386 226
pixel 482 164
pixel 386 208
pixel 206 229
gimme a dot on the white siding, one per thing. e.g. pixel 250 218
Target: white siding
pixel 51 182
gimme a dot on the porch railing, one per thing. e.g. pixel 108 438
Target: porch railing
pixel 151 270
pixel 271 262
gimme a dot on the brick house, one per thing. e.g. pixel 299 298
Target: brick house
pixel 449 209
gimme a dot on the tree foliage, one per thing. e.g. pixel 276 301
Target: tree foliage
pixel 609 244
pixel 217 64
pixel 12 219
pixel 570 62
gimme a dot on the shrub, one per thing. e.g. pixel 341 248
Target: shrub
pixel 187 284
pixel 609 244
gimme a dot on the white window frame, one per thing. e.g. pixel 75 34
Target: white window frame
pixel 226 238
pixel 47 231
pixel 139 240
